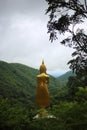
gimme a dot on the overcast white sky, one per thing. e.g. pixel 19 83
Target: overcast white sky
pixel 24 38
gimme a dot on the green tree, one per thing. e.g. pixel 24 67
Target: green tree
pixel 82 94
pixel 64 16
pixel 72 86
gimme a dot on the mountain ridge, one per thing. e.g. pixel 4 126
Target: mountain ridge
pixel 19 82
pixel 66 75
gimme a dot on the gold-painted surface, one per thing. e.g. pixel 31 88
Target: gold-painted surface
pixel 42 93
pixel 43 68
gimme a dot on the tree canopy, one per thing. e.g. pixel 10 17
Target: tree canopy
pixel 64 16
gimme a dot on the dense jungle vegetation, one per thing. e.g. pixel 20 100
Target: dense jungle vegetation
pixel 17 101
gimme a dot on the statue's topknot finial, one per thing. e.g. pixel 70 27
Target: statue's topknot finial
pixel 43 61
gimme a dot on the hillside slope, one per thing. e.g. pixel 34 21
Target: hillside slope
pixel 18 82
pixel 64 77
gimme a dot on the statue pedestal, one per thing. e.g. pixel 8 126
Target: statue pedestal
pixel 43 113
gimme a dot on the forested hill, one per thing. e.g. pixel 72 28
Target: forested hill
pixel 17 102
pixel 18 82
pixel 64 77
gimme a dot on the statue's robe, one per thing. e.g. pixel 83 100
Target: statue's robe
pixel 42 94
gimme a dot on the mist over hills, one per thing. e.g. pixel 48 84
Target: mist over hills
pixel 60 74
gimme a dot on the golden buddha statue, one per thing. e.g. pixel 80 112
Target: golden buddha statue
pixel 42 94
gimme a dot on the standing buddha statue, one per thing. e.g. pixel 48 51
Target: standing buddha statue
pixel 42 94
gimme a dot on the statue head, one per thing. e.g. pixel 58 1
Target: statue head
pixel 43 68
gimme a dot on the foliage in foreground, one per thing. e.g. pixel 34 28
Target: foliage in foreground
pixel 68 115
pixel 17 111
pixel 67 16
